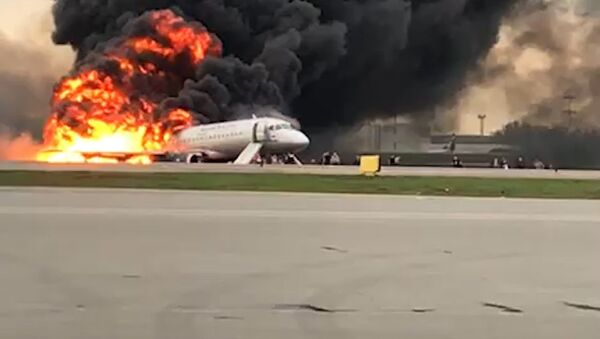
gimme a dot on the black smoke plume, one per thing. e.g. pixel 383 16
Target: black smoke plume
pixel 26 78
pixel 326 62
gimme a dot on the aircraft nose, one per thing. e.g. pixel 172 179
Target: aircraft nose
pixel 301 140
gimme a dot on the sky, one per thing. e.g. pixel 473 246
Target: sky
pixel 16 15
pixel 29 23
pixel 24 15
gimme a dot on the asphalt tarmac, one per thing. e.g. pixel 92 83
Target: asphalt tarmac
pixel 305 169
pixel 99 263
pixel 93 263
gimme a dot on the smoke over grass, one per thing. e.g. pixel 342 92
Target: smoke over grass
pixel 20 148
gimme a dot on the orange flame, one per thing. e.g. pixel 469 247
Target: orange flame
pixel 95 115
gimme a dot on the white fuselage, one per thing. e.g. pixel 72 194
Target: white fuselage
pixel 226 140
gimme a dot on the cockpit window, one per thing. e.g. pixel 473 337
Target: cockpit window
pixel 280 126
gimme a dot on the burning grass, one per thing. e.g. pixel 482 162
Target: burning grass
pixel 431 186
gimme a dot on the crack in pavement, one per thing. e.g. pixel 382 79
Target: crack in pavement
pixel 333 249
pixel 227 317
pixel 309 307
pixel 131 276
pixel 584 307
pixel 503 308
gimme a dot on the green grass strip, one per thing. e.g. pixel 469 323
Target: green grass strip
pixel 437 186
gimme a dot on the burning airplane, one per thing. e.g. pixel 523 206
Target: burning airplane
pixel 145 71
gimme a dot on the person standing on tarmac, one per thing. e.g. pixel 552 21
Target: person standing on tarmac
pixel 335 159
pixel 456 162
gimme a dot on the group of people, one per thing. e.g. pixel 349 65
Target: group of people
pixel 503 163
pixel 280 159
pixel 519 164
pixel 274 159
pixel 331 158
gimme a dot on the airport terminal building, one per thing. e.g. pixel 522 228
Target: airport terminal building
pixel 399 138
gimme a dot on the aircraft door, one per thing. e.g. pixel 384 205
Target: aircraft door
pixel 260 132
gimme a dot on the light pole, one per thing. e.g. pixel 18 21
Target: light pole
pixel 569 111
pixel 481 118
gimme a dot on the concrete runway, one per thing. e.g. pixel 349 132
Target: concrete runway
pixel 91 263
pixel 306 169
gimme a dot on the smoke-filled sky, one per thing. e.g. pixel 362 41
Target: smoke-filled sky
pixel 11 24
pixel 326 62
pixel 27 10
pixel 543 54
pixel 29 65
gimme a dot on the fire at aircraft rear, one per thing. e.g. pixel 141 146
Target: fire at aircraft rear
pixel 112 102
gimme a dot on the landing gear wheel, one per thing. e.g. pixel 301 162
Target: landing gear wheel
pixel 196 159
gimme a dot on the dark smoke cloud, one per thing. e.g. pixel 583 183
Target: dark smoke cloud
pixel 327 62
pixel 26 79
pixel 545 52
pixel 224 85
